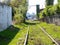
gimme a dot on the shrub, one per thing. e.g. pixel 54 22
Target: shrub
pixel 58 1
pixel 18 18
pixel 49 11
pixel 58 9
pixel 43 13
pixel 52 10
pixel 49 2
pixel 19 10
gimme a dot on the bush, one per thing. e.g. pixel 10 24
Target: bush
pixel 18 18
pixel 45 12
pixel 19 10
pixel 58 1
pixel 49 11
pixel 58 9
pixel 49 2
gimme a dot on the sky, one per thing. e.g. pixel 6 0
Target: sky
pixel 37 2
pixel 1 0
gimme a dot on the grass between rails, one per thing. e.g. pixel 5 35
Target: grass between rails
pixel 13 34
pixel 37 37
pixel 53 30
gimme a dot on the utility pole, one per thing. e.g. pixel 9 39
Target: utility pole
pixel 37 10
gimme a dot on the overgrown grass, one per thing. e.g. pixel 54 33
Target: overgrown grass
pixel 13 35
pixel 53 30
pixel 16 34
pixel 37 37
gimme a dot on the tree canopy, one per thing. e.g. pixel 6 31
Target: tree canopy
pixel 49 2
pixel 19 10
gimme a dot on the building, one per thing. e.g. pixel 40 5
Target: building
pixel 5 16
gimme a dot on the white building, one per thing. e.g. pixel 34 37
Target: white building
pixel 5 16
pixel 32 6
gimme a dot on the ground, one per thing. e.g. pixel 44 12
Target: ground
pixel 15 34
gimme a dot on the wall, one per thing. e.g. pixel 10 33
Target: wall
pixel 55 19
pixel 5 17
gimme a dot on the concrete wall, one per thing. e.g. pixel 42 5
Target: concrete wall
pixel 5 17
pixel 55 19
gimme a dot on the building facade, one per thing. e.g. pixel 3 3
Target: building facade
pixel 5 16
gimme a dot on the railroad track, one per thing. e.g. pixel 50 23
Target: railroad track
pixel 48 35
pixel 26 38
pixel 27 35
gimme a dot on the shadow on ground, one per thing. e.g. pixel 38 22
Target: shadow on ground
pixel 7 35
pixel 32 22
pixel 28 23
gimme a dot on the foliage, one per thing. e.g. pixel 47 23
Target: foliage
pixel 49 2
pixel 52 29
pixel 58 1
pixel 37 37
pixel 13 34
pixel 16 33
pixel 19 9
pixel 18 18
pixel 58 9
pixel 50 10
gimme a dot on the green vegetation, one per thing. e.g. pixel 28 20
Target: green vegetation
pixel 19 10
pixel 58 9
pixel 16 34
pixel 37 37
pixel 13 35
pixel 49 11
pixel 49 2
pixel 58 1
pixel 53 30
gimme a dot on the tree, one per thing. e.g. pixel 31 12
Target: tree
pixel 58 1
pixel 19 9
pixel 49 2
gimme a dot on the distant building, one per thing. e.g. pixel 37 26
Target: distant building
pixel 5 16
